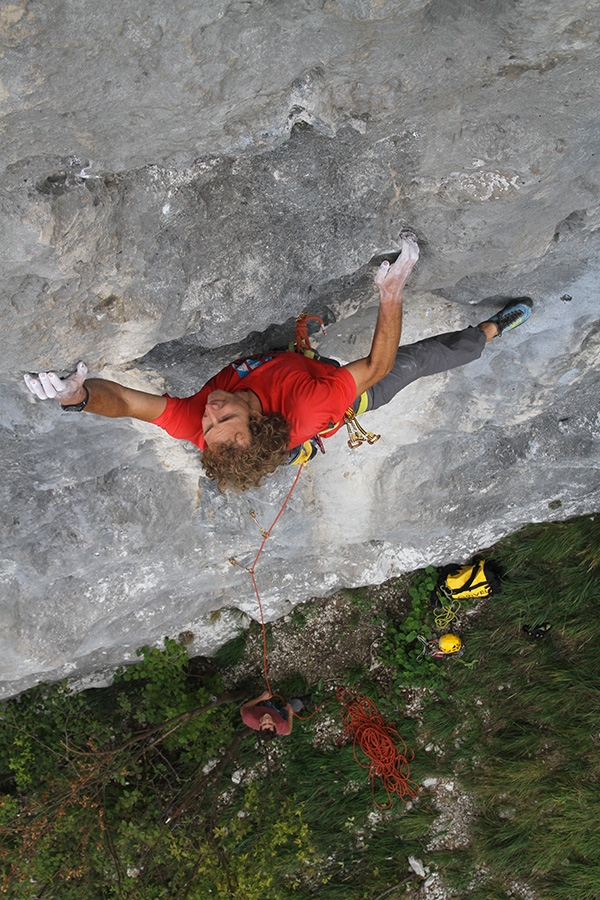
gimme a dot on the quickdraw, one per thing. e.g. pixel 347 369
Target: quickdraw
pixel 356 433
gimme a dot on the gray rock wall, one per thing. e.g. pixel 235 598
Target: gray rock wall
pixel 179 183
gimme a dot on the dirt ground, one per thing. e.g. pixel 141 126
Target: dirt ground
pixel 325 638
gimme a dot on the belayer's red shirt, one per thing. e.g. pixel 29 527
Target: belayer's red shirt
pixel 312 395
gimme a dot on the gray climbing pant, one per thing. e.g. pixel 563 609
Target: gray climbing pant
pixel 428 357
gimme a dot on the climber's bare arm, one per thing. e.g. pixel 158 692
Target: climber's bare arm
pixel 106 398
pixel 266 695
pixel 390 280
pixel 290 718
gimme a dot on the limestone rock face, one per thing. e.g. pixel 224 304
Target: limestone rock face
pixel 180 182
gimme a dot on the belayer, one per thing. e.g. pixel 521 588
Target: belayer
pixel 268 719
pixel 260 412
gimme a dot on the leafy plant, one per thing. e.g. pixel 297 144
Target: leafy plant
pixel 401 647
pixel 86 776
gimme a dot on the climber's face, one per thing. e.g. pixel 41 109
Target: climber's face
pixel 226 417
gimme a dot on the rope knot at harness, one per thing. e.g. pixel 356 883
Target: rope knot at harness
pixel 301 338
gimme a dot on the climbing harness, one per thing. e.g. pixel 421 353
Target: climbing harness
pixel 357 435
pixel 303 453
pixel 378 741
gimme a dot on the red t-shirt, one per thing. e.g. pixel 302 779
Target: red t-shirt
pixel 252 716
pixel 312 395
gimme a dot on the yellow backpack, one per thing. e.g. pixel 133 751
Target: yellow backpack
pixel 478 579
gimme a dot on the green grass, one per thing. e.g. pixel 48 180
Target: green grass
pixel 519 730
pixel 357 850
pixel 232 651
pixel 528 716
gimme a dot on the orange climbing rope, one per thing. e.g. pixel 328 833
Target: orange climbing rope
pixel 378 741
pixel 301 338
pixel 252 570
pixel 362 721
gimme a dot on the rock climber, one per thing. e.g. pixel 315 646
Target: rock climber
pixel 260 412
pixel 262 715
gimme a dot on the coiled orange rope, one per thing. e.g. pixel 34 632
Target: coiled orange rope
pixel 378 741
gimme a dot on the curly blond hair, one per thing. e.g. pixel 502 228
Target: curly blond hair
pixel 239 468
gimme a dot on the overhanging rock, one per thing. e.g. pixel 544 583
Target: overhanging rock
pixel 194 179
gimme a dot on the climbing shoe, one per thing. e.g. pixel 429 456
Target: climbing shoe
pixel 514 313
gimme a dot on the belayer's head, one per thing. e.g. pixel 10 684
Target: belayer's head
pixel 243 444
pixel 267 728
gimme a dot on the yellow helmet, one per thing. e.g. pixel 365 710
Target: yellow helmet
pixel 449 643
